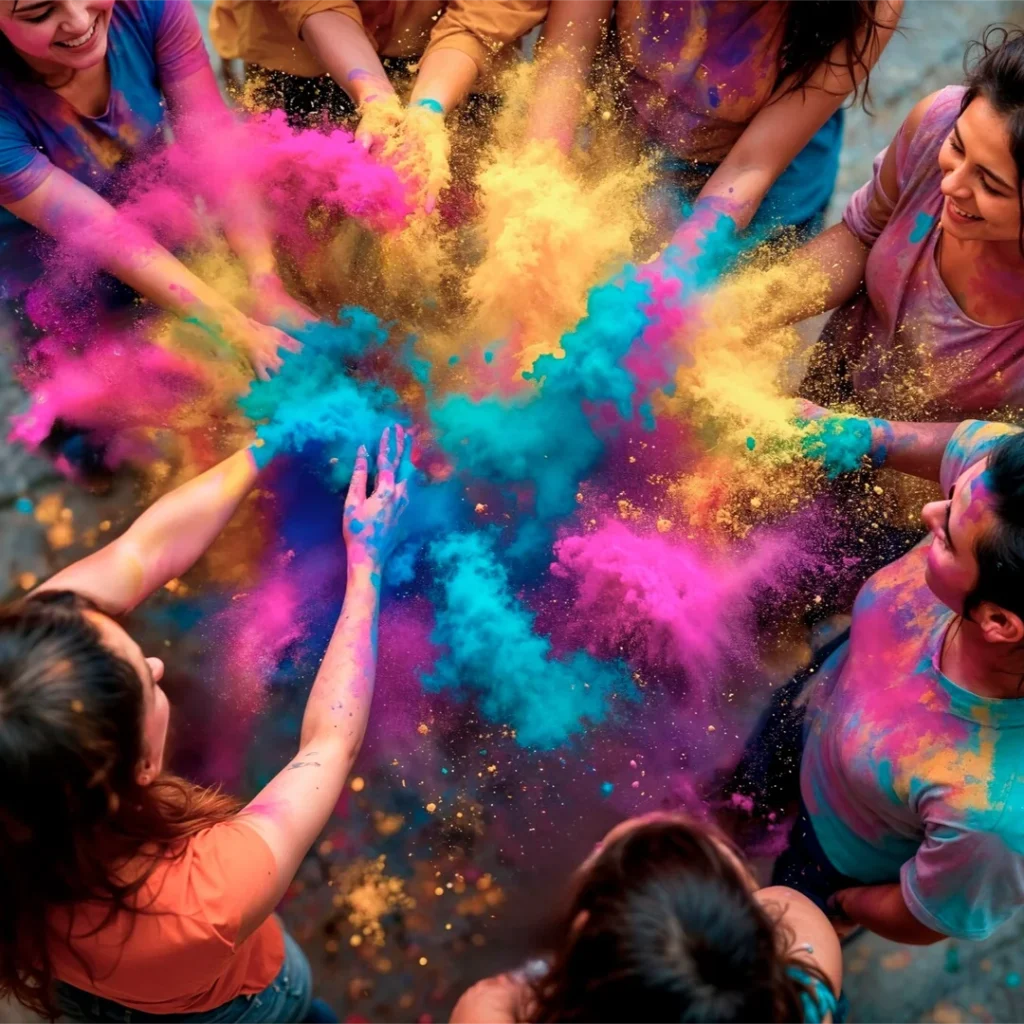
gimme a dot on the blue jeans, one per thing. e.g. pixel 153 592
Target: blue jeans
pixel 287 998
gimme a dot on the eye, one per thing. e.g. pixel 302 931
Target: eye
pixel 989 189
pixel 40 17
pixel 955 146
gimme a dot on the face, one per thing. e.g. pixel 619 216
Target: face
pixel 979 178
pixel 55 34
pixel 156 710
pixel 956 525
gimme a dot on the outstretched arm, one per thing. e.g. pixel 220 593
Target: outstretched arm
pixel 292 809
pixel 166 540
pixel 565 53
pixel 781 129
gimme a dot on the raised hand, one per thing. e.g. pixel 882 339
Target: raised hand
pixel 371 523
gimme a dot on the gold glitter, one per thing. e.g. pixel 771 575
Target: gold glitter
pixel 357 785
pixel 423 728
pixel 431 807
pixel 355 940
pixel 663 524
pixel 480 507
pixel 27 580
pixel 423 961
pixel 369 895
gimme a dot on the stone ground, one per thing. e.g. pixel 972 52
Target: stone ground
pixel 44 520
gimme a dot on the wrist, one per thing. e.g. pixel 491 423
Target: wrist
pixel 363 567
pixel 881 441
pixel 428 103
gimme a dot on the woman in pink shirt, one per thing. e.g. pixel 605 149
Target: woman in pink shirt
pixel 130 893
pixel 927 264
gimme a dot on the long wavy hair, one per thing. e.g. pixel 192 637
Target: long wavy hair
pixel 75 826
pixel 662 926
pixel 814 28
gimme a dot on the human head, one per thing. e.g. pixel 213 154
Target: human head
pixel 982 159
pixel 83 723
pixel 976 555
pixel 52 36
pixel 663 926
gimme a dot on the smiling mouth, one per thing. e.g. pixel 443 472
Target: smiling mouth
pixel 85 37
pixel 963 213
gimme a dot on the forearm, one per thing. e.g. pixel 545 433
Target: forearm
pixel 882 909
pixel 818 277
pixel 339 703
pixel 341 46
pixel 914 448
pixel 445 76
pixel 171 535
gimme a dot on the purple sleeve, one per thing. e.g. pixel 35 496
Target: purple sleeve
pixel 972 441
pixel 22 167
pixel 869 208
pixel 963 883
pixel 180 51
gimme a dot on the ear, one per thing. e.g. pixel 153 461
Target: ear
pixel 998 626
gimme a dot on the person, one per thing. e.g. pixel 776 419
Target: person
pixel 666 922
pixel 923 270
pixel 85 85
pixel 742 99
pixel 129 891
pixel 909 820
pixel 341 56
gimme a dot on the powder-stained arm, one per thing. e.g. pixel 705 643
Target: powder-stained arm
pixel 565 53
pixel 781 128
pixel 292 809
pixel 883 910
pixel 76 215
pixel 201 118
pixel 165 541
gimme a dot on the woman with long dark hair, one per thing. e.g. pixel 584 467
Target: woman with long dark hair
pixel 924 270
pixel 742 99
pixel 665 922
pixel 128 891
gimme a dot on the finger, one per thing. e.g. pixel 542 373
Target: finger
pixel 385 465
pixel 406 467
pixel 292 344
pixel 428 206
pixel 357 485
pixel 261 371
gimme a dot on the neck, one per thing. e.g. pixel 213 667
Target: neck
pixel 983 668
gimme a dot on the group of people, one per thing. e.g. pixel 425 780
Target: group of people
pixel 130 893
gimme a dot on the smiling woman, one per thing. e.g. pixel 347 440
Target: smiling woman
pixel 924 271
pixel 84 84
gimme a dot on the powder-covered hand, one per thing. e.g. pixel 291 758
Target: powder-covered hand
pixel 380 121
pixel 371 523
pixel 274 306
pixel 261 345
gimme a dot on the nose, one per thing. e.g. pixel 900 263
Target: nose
pixel 956 183
pixel 933 515
pixel 77 18
pixel 156 666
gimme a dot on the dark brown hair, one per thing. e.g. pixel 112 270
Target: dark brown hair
pixel 994 69
pixel 72 816
pixel 663 927
pixel 814 28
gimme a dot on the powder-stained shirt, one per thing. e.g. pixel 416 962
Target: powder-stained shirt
pixel 181 952
pixel 150 43
pixel 911 351
pixel 907 776
pixel 269 32
pixel 698 72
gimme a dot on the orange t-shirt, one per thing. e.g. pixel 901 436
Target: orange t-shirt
pixel 179 952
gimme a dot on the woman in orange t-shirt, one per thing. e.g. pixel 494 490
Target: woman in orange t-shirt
pixel 129 893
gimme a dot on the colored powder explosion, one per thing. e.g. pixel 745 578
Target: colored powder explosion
pixel 613 494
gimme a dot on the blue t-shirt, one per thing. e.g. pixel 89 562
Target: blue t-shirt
pixel 150 43
pixel 907 776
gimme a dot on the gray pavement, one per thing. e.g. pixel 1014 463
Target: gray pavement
pixel 45 520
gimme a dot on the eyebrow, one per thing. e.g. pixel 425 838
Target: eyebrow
pixel 982 167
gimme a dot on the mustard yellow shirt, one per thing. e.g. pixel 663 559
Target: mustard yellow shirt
pixel 269 32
